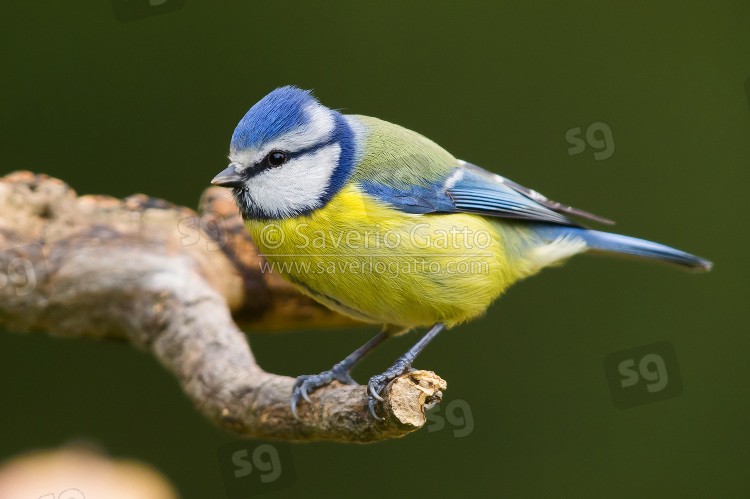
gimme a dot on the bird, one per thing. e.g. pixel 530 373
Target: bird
pixel 383 225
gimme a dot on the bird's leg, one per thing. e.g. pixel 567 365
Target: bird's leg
pixel 339 372
pixel 401 366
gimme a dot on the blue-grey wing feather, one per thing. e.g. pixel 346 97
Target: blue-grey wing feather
pixel 539 198
pixel 470 189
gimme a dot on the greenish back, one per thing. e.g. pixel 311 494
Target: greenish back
pixel 396 156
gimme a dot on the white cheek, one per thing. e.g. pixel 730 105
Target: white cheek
pixel 319 128
pixel 296 186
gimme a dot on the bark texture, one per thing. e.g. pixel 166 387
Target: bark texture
pixel 180 284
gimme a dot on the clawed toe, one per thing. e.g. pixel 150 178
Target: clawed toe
pixel 340 372
pixel 377 384
pixel 307 383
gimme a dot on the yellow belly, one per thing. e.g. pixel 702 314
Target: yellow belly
pixel 367 260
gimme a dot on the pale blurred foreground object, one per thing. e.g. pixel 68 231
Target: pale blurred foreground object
pixel 177 283
pixel 80 473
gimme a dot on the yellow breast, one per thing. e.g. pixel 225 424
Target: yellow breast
pixel 365 259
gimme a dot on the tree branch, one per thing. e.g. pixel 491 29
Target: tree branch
pixel 177 283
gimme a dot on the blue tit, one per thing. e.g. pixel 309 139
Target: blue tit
pixel 381 224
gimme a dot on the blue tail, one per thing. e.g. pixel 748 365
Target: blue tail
pixel 617 244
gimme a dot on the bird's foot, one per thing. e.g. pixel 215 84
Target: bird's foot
pixel 377 384
pixel 308 383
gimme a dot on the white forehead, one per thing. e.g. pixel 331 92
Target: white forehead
pixel 295 187
pixel 318 127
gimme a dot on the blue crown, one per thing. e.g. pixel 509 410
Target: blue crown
pixel 276 113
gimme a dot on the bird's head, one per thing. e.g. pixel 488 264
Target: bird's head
pixel 288 156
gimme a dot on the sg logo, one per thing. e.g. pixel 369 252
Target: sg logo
pixel 250 468
pixel 599 137
pixel 459 416
pixel 210 226
pixel 17 272
pixel 656 379
pixel 643 375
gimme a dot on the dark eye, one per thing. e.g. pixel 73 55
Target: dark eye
pixel 276 158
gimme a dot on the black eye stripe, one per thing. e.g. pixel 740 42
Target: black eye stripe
pixel 311 149
pixel 263 164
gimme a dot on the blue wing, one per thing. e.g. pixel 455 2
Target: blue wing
pixel 470 189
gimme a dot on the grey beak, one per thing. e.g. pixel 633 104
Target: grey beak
pixel 228 178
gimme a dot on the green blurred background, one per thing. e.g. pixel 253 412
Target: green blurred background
pixel 149 106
